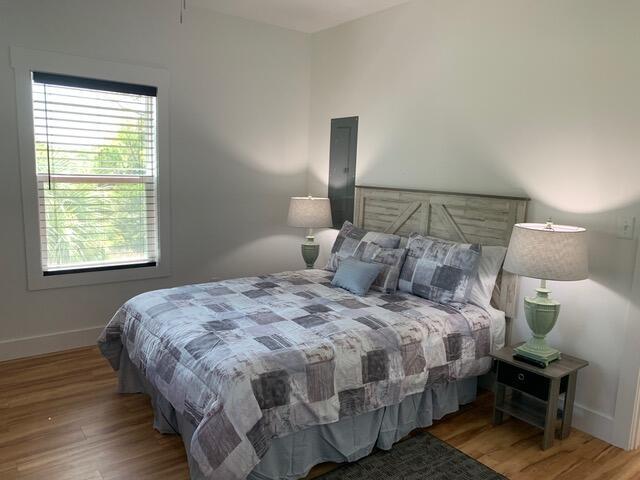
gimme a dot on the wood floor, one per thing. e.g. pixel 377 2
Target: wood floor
pixel 60 418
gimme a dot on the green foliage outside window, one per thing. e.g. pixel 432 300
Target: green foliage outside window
pixel 93 222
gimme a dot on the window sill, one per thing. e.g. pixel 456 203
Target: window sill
pixel 39 281
pixel 100 268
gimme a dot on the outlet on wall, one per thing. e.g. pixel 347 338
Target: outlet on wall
pixel 625 226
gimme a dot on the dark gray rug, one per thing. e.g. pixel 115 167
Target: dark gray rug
pixel 418 458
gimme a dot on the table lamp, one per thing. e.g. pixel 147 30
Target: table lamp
pixel 309 212
pixel 547 252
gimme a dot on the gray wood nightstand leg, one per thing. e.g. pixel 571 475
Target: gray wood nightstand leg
pixel 552 413
pixel 567 413
pixel 498 415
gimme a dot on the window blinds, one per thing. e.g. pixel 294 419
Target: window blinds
pixel 96 166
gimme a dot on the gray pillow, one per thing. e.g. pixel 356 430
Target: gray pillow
pixel 439 270
pixel 355 275
pixel 351 241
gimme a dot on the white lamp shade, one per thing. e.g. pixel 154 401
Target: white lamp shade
pixel 548 252
pixel 309 212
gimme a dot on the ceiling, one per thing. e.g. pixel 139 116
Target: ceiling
pixel 303 15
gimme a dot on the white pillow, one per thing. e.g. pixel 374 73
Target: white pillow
pixel 488 268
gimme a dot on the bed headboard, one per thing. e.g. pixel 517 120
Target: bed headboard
pixel 463 217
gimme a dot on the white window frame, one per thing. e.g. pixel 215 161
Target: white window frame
pixel 24 61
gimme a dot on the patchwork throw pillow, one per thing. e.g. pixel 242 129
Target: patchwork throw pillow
pixel 439 270
pixel 390 261
pixel 351 242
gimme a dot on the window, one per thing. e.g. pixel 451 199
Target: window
pixel 96 170
pixel 94 164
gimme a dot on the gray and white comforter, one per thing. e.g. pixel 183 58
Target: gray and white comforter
pixel 250 359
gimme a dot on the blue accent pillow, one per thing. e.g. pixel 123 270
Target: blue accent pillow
pixel 355 275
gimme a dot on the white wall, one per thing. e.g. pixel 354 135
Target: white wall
pixel 239 112
pixel 505 97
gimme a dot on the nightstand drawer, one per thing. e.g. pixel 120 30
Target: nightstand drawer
pixel 523 380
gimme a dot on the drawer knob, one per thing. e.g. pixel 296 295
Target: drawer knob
pixel 520 377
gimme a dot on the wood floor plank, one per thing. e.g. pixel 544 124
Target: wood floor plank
pixel 63 420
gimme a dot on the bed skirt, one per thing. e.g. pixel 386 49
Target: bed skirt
pixel 292 456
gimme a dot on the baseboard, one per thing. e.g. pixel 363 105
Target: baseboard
pixel 52 342
pixel 595 423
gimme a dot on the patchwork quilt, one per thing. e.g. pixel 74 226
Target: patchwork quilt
pixel 251 359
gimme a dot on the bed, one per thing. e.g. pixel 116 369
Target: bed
pixel 264 377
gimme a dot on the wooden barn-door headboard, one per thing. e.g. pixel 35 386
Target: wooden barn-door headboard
pixel 468 218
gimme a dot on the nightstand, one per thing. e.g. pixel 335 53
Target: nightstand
pixel 532 394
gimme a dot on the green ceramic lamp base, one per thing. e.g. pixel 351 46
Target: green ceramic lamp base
pixel 541 312
pixel 310 251
pixel 543 356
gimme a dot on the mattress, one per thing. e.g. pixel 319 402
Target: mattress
pixel 248 360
